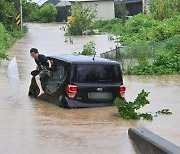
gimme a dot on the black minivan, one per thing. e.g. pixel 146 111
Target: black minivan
pixel 81 81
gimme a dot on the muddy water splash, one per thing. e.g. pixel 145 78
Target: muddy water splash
pixel 33 126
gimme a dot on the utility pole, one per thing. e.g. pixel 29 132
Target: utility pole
pixel 21 14
pixel 145 6
pixel 123 12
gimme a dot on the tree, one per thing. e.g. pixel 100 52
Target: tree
pixel 8 14
pixel 48 13
pixel 30 11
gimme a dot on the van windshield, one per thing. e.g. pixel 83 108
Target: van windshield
pixel 89 73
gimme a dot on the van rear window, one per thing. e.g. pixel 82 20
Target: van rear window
pixel 97 73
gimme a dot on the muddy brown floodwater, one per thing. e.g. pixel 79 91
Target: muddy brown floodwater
pixel 33 126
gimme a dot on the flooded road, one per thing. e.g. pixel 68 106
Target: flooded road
pixel 33 126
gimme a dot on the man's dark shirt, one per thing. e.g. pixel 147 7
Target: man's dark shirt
pixel 42 61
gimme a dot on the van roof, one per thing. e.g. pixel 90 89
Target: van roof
pixel 82 59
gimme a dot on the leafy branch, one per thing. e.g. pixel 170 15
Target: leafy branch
pixel 128 110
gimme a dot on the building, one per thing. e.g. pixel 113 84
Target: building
pixel 63 8
pixel 133 6
pixel 52 2
pixel 105 8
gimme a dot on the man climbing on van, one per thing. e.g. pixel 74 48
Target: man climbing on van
pixel 42 68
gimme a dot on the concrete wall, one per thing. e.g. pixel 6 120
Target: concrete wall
pixel 149 143
pixel 105 9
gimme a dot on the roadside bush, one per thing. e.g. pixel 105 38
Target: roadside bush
pixel 8 14
pixel 7 38
pixel 83 17
pixel 8 29
pixel 47 13
pixel 5 41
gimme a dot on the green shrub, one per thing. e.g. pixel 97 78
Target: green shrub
pixel 30 11
pixel 88 49
pixel 83 17
pixel 8 29
pixel 162 9
pixel 33 12
pixel 47 13
pixel 5 41
pixel 8 14
pixel 141 28
pixel 8 38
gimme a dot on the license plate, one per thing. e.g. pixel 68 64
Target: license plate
pixel 100 95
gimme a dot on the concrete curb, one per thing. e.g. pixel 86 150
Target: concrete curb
pixel 150 143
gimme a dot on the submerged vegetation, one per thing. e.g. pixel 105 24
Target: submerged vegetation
pixel 81 20
pixel 129 110
pixel 89 49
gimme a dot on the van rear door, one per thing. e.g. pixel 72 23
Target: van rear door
pixel 97 82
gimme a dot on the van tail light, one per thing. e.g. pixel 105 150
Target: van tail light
pixel 71 91
pixel 122 91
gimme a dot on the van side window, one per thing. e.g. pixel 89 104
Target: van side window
pixel 58 74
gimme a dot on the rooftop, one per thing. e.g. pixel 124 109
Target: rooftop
pixel 82 59
pixel 128 1
pixel 88 0
pixel 55 2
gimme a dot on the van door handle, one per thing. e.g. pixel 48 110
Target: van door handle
pixel 58 85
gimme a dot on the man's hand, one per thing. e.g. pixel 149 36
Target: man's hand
pixel 37 67
pixel 50 65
